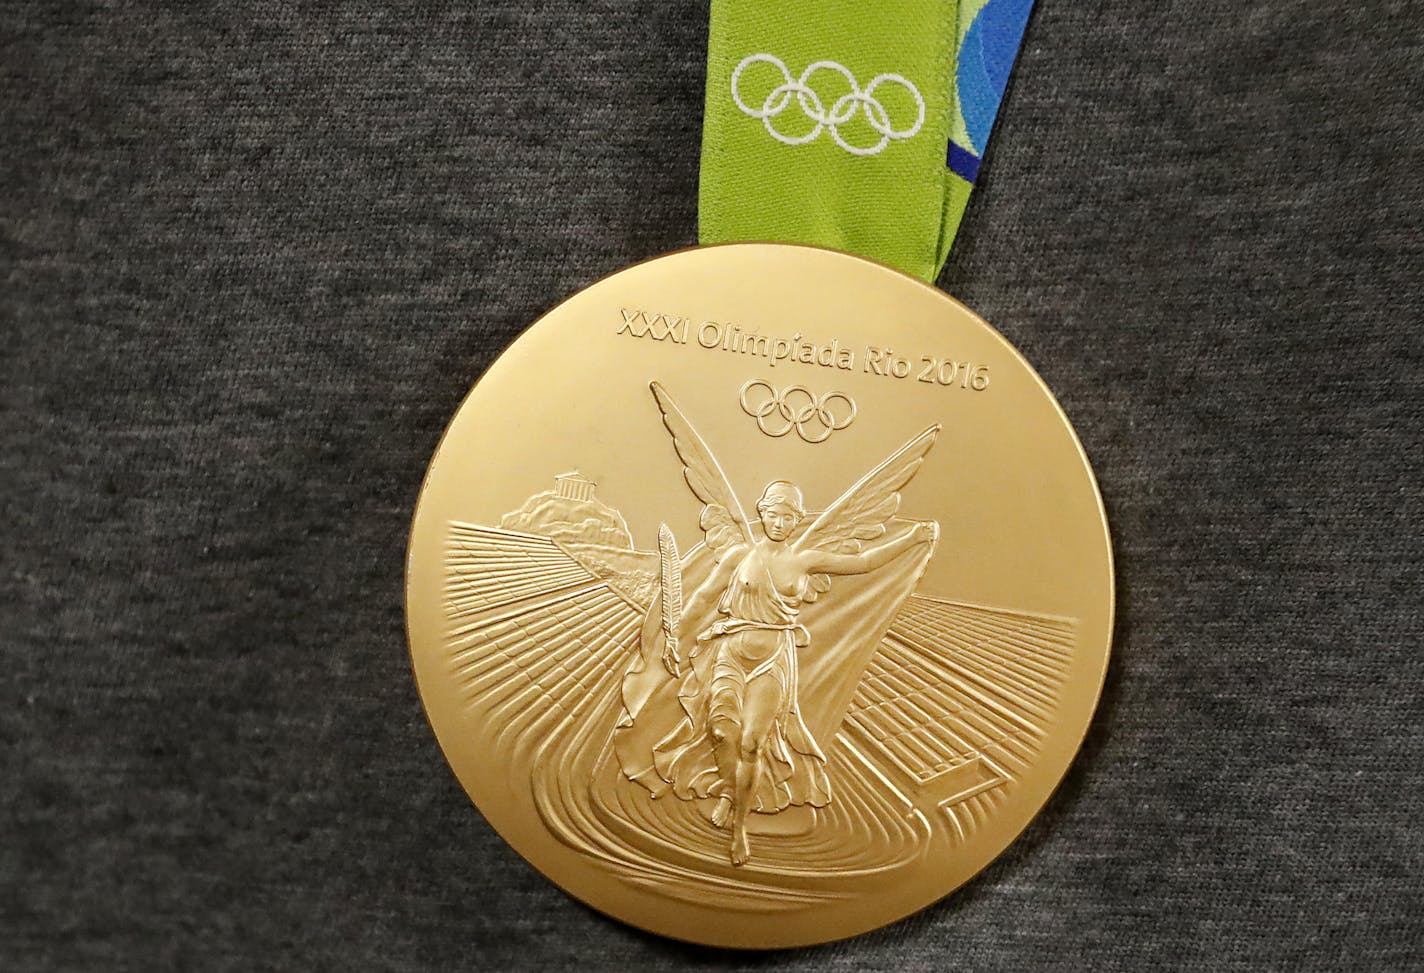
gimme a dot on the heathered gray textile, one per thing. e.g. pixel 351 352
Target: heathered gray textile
pixel 255 253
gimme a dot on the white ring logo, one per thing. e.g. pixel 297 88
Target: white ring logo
pixel 844 109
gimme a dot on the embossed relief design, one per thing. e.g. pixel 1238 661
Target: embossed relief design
pixel 761 719
pixel 780 411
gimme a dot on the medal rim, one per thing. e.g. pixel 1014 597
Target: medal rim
pixel 1078 738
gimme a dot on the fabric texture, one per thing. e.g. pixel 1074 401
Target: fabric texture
pixel 872 142
pixel 827 123
pixel 254 254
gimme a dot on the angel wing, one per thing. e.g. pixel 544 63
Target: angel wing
pixel 722 520
pixel 862 512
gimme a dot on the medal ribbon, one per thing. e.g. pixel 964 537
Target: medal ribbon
pixel 852 124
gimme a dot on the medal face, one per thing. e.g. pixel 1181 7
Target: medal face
pixel 759 595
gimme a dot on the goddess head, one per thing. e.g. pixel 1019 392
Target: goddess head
pixel 780 509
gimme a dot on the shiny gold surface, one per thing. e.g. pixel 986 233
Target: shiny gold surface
pixel 759 595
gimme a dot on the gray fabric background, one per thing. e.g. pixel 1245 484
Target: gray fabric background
pixel 255 253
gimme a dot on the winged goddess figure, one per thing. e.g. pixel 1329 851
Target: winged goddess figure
pixel 733 650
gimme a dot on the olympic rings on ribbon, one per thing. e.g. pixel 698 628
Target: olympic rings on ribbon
pixel 814 419
pixel 842 110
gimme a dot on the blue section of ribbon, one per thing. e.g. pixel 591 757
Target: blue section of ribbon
pixel 986 57
pixel 963 163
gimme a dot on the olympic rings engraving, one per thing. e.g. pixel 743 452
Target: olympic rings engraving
pixel 795 407
pixel 845 108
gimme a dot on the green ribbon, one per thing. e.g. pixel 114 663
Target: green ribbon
pixel 851 124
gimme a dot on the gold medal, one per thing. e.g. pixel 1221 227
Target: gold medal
pixel 759 595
